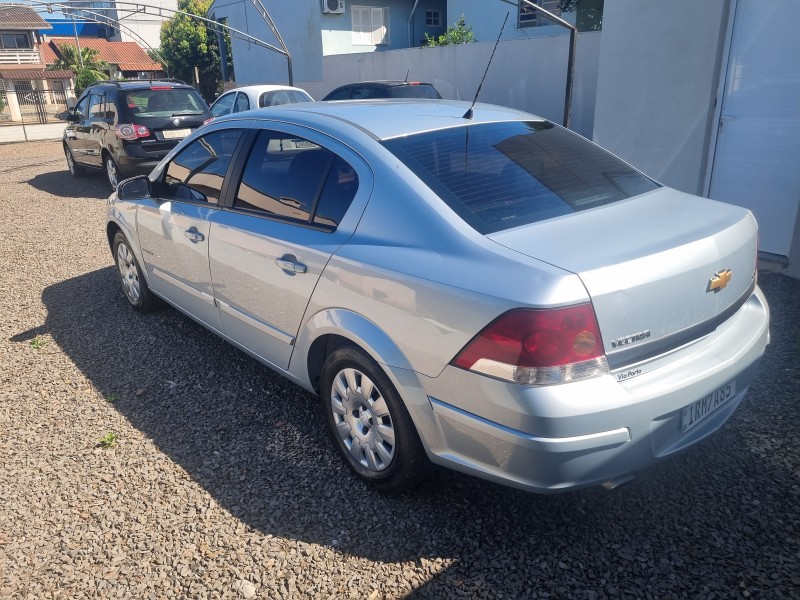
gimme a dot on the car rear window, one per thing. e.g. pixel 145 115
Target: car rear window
pixel 278 97
pixel 158 103
pixel 414 91
pixel 502 175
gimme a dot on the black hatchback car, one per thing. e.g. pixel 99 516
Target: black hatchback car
pixel 126 127
pixel 365 90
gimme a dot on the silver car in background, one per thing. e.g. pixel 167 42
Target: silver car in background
pixel 482 290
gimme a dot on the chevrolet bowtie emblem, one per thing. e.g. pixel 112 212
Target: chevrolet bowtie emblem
pixel 719 280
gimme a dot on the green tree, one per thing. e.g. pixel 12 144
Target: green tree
pixel 460 33
pixel 589 15
pixel 86 65
pixel 187 43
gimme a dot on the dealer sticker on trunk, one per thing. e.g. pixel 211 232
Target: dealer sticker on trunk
pixel 693 414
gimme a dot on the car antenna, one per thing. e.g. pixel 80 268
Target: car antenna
pixel 407 72
pixel 468 114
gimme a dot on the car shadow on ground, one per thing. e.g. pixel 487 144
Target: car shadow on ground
pixel 62 184
pixel 257 444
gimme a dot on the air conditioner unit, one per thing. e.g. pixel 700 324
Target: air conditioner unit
pixel 333 7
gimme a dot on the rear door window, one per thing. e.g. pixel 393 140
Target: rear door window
pixel 294 179
pixel 242 102
pixel 497 176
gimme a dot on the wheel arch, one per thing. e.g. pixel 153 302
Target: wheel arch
pixel 333 328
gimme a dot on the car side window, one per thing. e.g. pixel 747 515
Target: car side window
pixel 80 107
pixel 223 105
pixel 242 103
pixel 295 179
pixel 198 171
pixel 96 106
pixel 343 94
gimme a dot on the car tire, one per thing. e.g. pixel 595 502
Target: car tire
pixel 133 282
pixel 369 423
pixel 112 171
pixel 73 167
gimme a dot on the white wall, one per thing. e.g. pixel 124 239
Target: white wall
pixel 528 74
pixel 299 24
pixel 659 70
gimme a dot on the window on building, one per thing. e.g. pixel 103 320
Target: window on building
pixel 11 41
pixel 527 16
pixel 370 25
pixel 433 18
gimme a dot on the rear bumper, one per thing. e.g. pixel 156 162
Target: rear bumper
pixel 554 438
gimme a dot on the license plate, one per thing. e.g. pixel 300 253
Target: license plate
pixel 694 414
pixel 173 134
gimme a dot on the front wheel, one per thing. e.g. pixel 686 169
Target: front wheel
pixel 133 283
pixel 73 167
pixel 112 171
pixel 369 422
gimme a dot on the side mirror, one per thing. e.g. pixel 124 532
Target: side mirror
pixel 66 116
pixel 135 188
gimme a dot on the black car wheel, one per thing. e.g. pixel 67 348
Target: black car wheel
pixel 369 422
pixel 112 171
pixel 73 167
pixel 133 282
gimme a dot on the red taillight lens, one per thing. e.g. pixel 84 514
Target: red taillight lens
pixel 131 132
pixel 538 347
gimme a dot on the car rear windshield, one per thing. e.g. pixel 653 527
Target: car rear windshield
pixel 502 175
pixel 278 97
pixel 169 102
pixel 414 91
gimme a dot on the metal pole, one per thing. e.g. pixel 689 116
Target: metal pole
pixel 77 43
pixel 573 42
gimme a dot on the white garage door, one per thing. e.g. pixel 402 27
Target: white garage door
pixel 757 157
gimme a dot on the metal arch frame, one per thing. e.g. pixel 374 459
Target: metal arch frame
pixel 573 44
pixel 82 8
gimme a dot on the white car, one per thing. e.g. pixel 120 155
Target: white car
pixel 257 96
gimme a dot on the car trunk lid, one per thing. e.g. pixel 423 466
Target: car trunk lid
pixel 662 269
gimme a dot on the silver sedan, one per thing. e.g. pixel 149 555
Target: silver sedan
pixel 482 289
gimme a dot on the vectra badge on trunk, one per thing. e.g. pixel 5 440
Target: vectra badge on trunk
pixel 719 280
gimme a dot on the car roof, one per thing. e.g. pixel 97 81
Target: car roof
pixel 264 88
pixel 386 119
pixel 142 84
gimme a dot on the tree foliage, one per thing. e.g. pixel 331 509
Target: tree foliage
pixel 460 33
pixel 187 43
pixel 86 65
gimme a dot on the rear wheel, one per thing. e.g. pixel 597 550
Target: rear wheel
pixel 73 167
pixel 133 283
pixel 112 171
pixel 369 422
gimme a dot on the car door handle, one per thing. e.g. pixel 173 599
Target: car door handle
pixel 291 265
pixel 194 235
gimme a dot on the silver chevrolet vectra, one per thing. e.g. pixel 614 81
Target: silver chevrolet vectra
pixel 481 289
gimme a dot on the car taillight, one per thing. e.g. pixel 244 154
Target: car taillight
pixel 538 347
pixel 131 132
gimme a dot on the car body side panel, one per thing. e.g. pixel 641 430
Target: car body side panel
pixel 174 239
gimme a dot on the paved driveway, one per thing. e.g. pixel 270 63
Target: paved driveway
pixel 222 483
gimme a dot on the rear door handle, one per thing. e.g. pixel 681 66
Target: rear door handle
pixel 194 235
pixel 290 265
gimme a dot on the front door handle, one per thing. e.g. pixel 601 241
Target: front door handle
pixel 290 264
pixel 194 235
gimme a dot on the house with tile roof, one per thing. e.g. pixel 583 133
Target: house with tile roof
pixel 28 91
pixel 125 59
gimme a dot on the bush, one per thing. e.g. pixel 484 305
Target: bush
pixel 460 33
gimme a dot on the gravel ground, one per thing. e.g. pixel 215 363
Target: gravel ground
pixel 222 483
